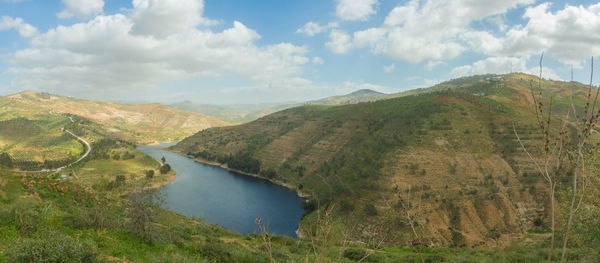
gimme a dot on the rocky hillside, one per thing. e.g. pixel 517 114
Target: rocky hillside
pixel 142 123
pixel 452 147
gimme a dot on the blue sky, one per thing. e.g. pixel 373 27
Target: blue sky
pixel 230 52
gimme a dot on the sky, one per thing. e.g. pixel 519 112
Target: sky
pixel 273 51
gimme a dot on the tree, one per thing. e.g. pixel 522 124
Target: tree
pixel 150 174
pixel 163 160
pixel 5 161
pixel 143 207
pixel 567 152
pixel 165 168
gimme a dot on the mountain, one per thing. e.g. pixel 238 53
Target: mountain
pixel 451 146
pixel 141 123
pixel 246 113
pixel 362 95
pixel 232 113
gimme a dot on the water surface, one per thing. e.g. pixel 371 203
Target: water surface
pixel 225 198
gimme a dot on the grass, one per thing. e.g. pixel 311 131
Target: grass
pixel 38 209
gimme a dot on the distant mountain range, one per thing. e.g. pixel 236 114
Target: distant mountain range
pixel 246 113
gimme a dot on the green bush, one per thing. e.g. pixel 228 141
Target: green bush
pixel 165 168
pixel 354 253
pixel 346 205
pixel 51 250
pixel 216 250
pixel 370 210
pixel 150 174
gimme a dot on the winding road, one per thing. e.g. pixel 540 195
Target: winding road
pixel 87 152
pixel 89 149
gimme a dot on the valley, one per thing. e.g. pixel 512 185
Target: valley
pixel 451 146
pixel 442 162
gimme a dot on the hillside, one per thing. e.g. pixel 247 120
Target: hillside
pixel 142 123
pixel 451 146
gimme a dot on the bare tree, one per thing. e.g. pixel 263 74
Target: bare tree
pixel 263 230
pixel 144 205
pixel 562 152
pixel 410 211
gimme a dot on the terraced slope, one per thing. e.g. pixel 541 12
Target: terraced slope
pixel 143 123
pixel 453 146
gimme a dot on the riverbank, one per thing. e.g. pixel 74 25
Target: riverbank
pixel 300 194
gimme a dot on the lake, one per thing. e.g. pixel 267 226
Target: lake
pixel 225 198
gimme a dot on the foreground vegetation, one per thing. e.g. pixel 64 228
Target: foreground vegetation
pixel 44 219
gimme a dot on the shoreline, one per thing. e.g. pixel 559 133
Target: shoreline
pixel 300 194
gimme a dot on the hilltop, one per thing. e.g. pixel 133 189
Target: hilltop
pixel 362 95
pixel 451 146
pixel 140 123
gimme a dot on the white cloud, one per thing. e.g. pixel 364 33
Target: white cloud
pixel 433 64
pixel 389 68
pixel 570 35
pixel 369 37
pixel 339 42
pixel 426 30
pixel 482 42
pixel 498 21
pixel 81 8
pixel 160 18
pixel 318 61
pixel 312 28
pixel 355 10
pixel 24 29
pixel 502 65
pixel 115 54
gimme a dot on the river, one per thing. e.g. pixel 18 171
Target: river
pixel 228 199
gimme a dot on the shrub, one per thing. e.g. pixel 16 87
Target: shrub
pixel 53 249
pixel 165 168
pixel 216 250
pixel 354 253
pixel 144 207
pixel 150 174
pixel 370 210
pixel 346 205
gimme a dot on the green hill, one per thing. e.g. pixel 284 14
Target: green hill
pixel 142 123
pixel 452 145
